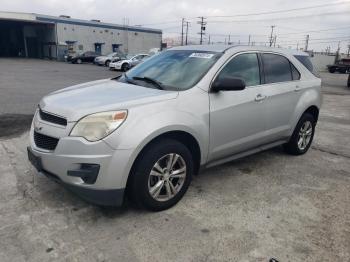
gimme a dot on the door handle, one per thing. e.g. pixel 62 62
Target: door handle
pixel 260 97
pixel 297 88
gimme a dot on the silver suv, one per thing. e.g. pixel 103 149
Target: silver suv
pixel 146 133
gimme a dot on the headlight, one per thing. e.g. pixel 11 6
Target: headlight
pixel 97 126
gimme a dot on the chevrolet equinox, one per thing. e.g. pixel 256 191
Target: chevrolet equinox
pixel 145 133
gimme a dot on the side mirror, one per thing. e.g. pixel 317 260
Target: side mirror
pixel 228 84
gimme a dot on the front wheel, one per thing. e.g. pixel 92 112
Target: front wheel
pixel 107 63
pixel 162 175
pixel 302 137
pixel 125 67
pixel 79 61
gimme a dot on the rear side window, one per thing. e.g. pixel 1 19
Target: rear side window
pixel 305 60
pixel 244 66
pixel 276 68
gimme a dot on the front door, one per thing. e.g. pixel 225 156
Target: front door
pixel 237 118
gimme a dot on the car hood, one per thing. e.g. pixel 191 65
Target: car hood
pixel 78 101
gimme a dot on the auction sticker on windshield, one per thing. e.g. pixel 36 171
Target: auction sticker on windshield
pixel 202 55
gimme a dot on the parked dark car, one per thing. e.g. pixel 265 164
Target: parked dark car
pixel 342 66
pixel 86 57
pixel 349 81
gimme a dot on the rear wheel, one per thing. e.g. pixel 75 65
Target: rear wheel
pixel 79 61
pixel 302 137
pixel 162 175
pixel 107 63
pixel 331 70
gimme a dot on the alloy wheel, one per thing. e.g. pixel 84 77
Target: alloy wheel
pixel 167 177
pixel 305 135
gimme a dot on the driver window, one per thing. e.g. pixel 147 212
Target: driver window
pixel 244 66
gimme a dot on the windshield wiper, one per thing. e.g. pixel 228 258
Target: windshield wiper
pixel 128 80
pixel 156 83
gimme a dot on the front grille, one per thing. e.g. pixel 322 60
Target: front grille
pixel 52 118
pixel 45 142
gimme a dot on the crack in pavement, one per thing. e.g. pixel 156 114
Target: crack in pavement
pixel 329 151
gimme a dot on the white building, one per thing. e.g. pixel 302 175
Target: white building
pixel 43 36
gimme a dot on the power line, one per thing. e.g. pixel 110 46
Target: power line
pixel 280 18
pixel 284 10
pixel 317 31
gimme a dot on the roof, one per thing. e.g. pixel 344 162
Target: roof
pixel 222 48
pixel 39 18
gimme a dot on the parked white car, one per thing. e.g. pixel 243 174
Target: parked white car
pixel 106 59
pixel 125 65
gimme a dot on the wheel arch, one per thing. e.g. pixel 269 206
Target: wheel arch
pixel 183 137
pixel 313 110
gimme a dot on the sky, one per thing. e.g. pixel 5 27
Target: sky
pixel 226 20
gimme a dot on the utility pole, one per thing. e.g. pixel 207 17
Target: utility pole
pixel 271 36
pixel 202 24
pixel 337 54
pixel 249 40
pixel 297 45
pixel 182 31
pixel 209 40
pixel 229 39
pixel 274 41
pixel 307 42
pixel 187 23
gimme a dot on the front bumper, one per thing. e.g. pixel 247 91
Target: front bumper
pixel 103 197
pixel 94 170
pixel 115 66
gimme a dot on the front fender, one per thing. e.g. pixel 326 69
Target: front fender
pixel 142 130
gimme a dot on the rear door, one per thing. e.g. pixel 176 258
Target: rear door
pixel 237 119
pixel 282 88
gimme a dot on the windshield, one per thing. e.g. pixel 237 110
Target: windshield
pixel 175 69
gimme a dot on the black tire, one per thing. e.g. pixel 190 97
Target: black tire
pixel 107 63
pixel 138 187
pixel 331 70
pixel 292 146
pixel 125 67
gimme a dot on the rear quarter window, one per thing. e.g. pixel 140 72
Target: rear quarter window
pixel 305 60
